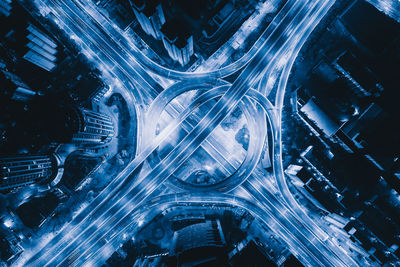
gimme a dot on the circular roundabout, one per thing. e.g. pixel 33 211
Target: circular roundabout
pixel 213 166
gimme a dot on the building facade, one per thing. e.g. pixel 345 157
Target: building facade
pixel 178 41
pixel 9 246
pixel 93 128
pixel 24 170
pixel 150 15
pixel 5 7
pixel 201 243
pixel 42 49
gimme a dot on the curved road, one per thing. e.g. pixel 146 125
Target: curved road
pixel 110 210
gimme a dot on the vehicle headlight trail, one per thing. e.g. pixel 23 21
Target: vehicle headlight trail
pixel 91 233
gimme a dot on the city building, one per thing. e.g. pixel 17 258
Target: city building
pixel 200 243
pixel 94 127
pixel 26 169
pixel 364 80
pixel 42 49
pixel 75 107
pixel 178 23
pixel 98 95
pixel 322 120
pixel 9 246
pixel 178 41
pixel 5 7
pixel 150 15
pixel 79 126
pixel 225 10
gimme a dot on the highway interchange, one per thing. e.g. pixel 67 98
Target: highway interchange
pixel 92 236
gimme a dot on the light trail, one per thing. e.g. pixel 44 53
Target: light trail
pixel 130 190
pixel 265 215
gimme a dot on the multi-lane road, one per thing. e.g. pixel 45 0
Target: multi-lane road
pixel 95 232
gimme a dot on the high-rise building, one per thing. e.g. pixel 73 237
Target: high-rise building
pixel 178 41
pixel 66 124
pixel 23 170
pixel 42 49
pixel 9 246
pixel 99 94
pixel 79 126
pixel 200 243
pixel 93 127
pixel 150 15
pixel 5 7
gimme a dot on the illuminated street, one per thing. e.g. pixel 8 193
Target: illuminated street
pixel 208 138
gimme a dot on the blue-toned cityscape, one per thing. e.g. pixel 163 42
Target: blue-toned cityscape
pixel 199 133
